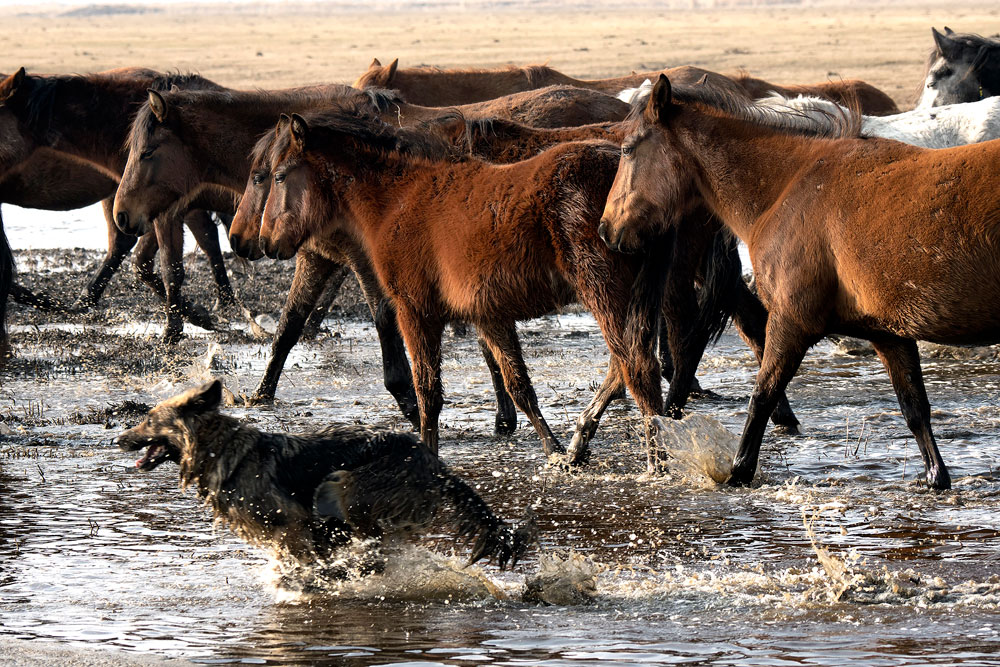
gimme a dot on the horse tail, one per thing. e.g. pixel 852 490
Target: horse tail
pixel 6 283
pixel 717 299
pixel 493 537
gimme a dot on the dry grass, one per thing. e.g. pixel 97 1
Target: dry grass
pixel 271 46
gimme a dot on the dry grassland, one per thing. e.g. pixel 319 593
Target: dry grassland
pixel 272 46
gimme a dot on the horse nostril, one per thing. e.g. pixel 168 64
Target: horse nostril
pixel 122 221
pixel 602 232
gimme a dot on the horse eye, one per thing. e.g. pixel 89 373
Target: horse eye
pixel 628 150
pixel 259 178
pixel 145 155
pixel 279 178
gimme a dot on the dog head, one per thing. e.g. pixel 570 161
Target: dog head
pixel 164 431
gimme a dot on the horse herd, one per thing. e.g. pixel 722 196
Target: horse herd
pixel 493 196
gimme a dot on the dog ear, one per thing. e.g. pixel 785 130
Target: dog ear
pixel 10 85
pixel 205 398
pixel 157 105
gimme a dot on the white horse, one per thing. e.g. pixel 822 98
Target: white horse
pixel 929 127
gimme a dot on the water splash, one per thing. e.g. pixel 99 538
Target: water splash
pixel 701 448
pixel 563 579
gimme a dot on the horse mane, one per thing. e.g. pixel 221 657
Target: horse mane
pixel 814 123
pixel 223 99
pixel 382 99
pixel 356 120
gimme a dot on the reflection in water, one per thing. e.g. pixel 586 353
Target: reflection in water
pixel 839 556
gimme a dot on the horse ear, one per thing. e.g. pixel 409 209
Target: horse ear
pixel 157 105
pixel 375 63
pixel 392 70
pixel 948 31
pixel 10 85
pixel 283 121
pixel 946 46
pixel 658 106
pixel 299 129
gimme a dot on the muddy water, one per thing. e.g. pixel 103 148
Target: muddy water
pixel 839 555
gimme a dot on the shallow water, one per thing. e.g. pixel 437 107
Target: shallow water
pixel 840 555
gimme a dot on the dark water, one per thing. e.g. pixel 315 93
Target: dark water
pixel 840 556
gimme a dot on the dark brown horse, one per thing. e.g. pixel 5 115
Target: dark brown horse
pixel 554 106
pixel 432 86
pixel 62 143
pixel 869 238
pixel 469 241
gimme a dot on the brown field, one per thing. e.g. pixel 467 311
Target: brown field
pixel 271 46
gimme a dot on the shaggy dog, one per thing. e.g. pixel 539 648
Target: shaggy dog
pixel 305 496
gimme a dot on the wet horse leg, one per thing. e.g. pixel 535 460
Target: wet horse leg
pixel 142 263
pixel 784 348
pixel 750 319
pixel 501 339
pixel 6 281
pixel 206 235
pixel 902 361
pixel 119 245
pixel 685 340
pixel 170 237
pixel 423 338
pixel 611 389
pixel 311 272
pixel 506 418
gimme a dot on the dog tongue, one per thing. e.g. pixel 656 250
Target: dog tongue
pixel 147 457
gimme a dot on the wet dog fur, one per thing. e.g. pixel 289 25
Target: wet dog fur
pixel 306 496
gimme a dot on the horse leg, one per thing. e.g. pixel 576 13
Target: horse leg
pixel 686 341
pixel 423 338
pixel 784 349
pixel 142 264
pixel 206 235
pixel 506 348
pixel 750 319
pixel 611 389
pixel 119 245
pixel 311 271
pixel 6 281
pixel 506 417
pixel 902 361
pixel 324 301
pixel 170 237
pixel 396 371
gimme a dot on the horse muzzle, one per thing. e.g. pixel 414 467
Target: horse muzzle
pixel 247 249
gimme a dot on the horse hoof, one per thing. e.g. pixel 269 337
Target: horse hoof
pixel 739 479
pixel 786 429
pixel 939 480
pixel 503 426
pixel 259 399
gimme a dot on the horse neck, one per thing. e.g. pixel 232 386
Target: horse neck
pixel 741 169
pixel 97 134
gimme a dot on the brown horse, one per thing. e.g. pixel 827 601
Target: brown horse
pixel 869 238
pixel 851 93
pixel 432 86
pixel 436 87
pixel 184 143
pixel 555 106
pixel 488 244
pixel 62 138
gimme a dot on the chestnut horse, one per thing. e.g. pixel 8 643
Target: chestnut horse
pixel 555 106
pixel 62 138
pixel 432 86
pixel 488 244
pixel 865 237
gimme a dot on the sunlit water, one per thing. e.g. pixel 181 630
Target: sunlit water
pixel 840 556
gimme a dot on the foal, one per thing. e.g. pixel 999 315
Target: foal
pixel 863 237
pixel 470 241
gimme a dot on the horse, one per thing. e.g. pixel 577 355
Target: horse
pixel 183 143
pixel 555 106
pixel 433 86
pixel 928 127
pixel 63 139
pixel 864 237
pixel 472 241
pixel 436 87
pixel 962 67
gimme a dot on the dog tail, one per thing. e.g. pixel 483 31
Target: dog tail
pixel 494 539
